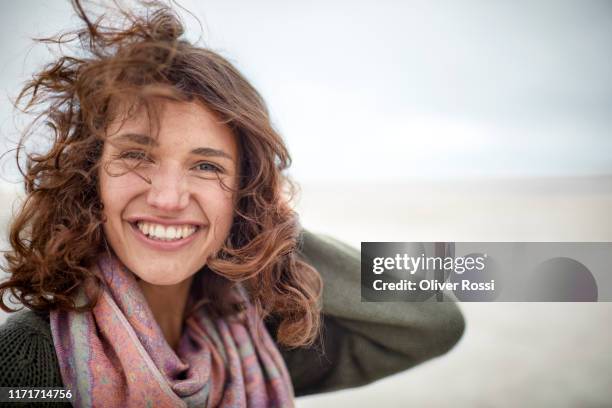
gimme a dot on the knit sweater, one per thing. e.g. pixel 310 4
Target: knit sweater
pixel 360 342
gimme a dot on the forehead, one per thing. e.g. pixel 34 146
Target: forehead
pixel 172 125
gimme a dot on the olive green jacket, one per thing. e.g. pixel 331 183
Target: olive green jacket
pixel 360 342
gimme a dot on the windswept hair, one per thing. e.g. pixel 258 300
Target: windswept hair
pixel 56 235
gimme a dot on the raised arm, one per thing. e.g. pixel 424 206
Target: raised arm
pixel 363 342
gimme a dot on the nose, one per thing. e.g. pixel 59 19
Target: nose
pixel 168 190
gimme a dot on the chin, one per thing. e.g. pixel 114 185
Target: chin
pixel 162 281
pixel 163 278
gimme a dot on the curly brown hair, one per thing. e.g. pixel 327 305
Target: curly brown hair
pixel 56 236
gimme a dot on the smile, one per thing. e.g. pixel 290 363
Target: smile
pixel 166 232
pixel 165 237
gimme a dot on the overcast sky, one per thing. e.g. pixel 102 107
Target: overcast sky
pixel 393 90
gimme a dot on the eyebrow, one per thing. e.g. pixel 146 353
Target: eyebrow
pixel 139 139
pixel 149 141
pixel 210 152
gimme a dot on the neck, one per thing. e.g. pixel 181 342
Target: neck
pixel 167 303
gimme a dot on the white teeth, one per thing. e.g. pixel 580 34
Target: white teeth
pixel 169 233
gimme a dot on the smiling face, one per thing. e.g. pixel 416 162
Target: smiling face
pixel 168 216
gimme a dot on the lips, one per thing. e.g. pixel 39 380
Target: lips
pixel 164 221
pixel 166 233
pixel 179 240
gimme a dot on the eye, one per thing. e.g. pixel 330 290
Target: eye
pixel 205 166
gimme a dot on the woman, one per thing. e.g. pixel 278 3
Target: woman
pixel 156 249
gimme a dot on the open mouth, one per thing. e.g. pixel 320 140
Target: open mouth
pixel 165 233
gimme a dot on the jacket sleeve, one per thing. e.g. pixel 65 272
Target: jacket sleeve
pixel 363 342
pixel 27 355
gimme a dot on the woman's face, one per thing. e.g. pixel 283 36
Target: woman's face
pixel 166 230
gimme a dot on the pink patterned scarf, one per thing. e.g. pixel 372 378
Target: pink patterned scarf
pixel 117 356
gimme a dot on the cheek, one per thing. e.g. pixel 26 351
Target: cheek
pixel 106 197
pixel 225 215
pixel 112 210
pixel 218 205
pixel 115 190
pixel 115 194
